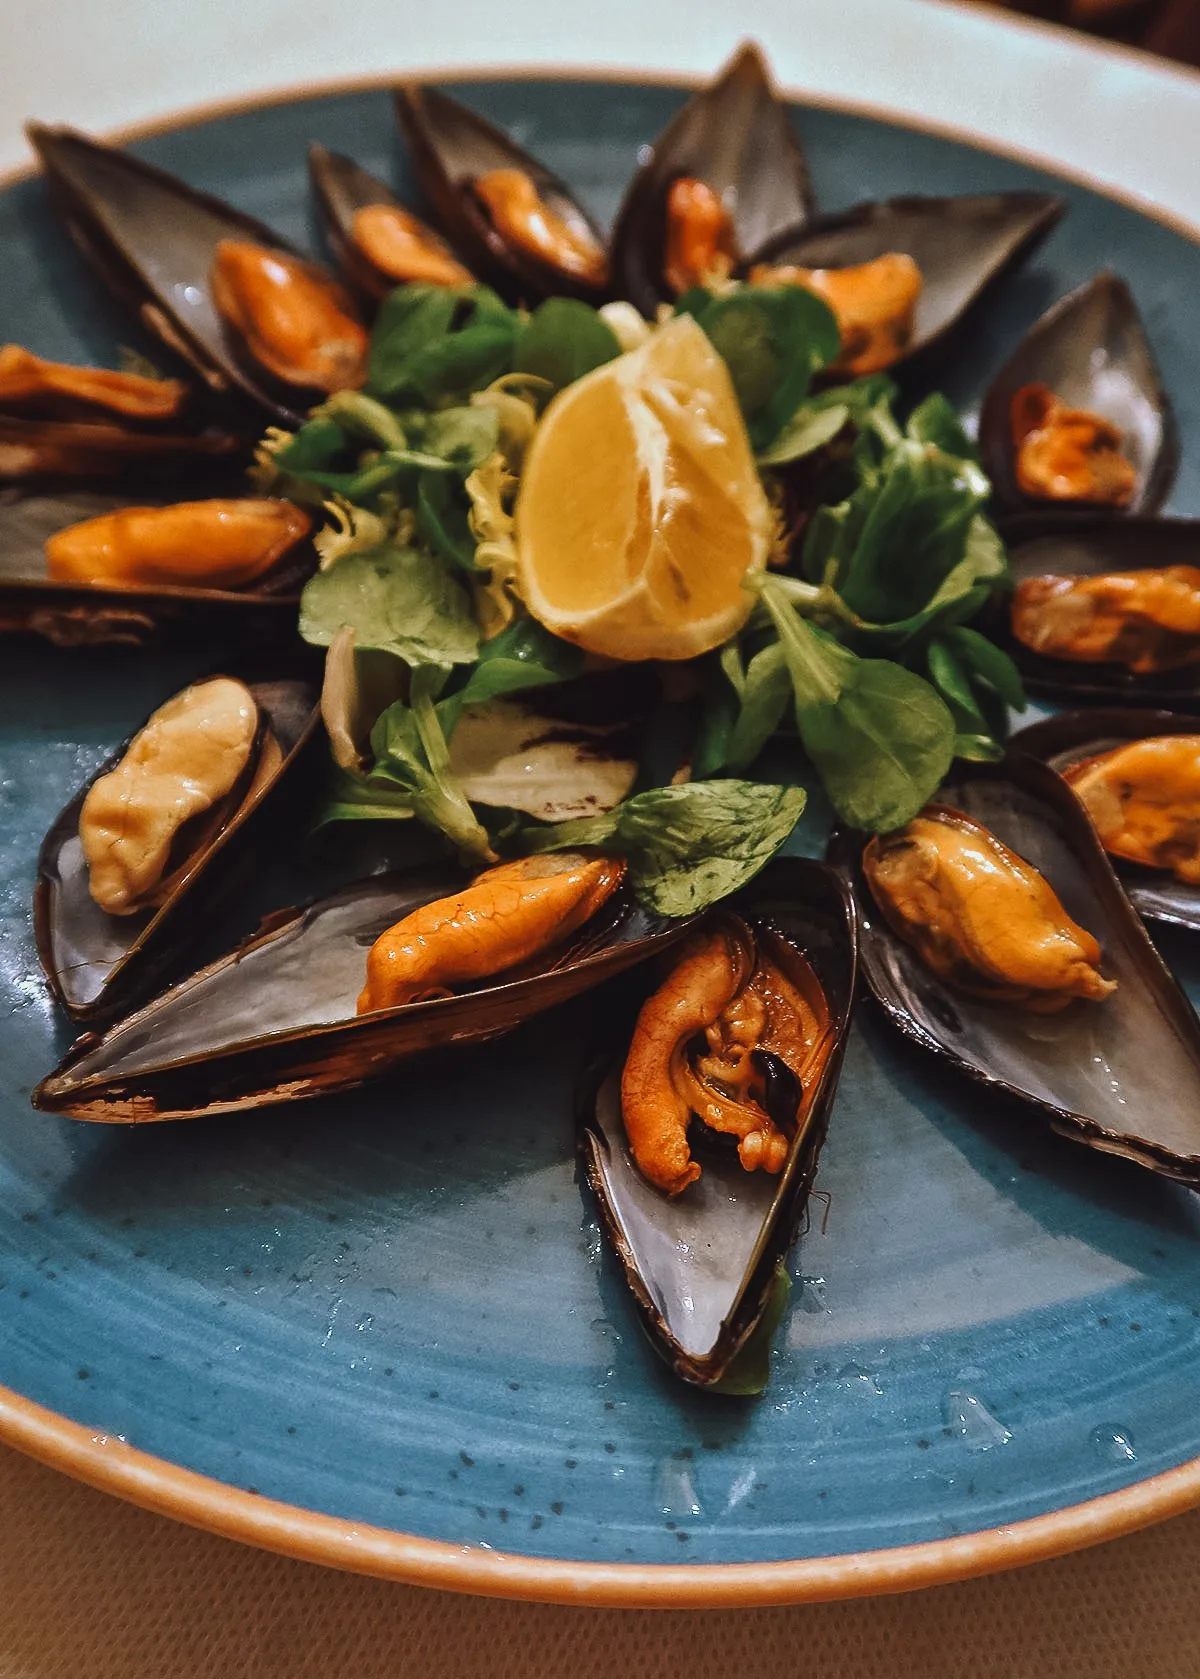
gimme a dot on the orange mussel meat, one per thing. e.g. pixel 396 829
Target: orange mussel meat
pixel 31 384
pixel 521 216
pixel 875 304
pixel 1067 454
pixel 1144 802
pixel 703 1046
pixel 699 244
pixel 399 245
pixel 295 320
pixel 206 544
pixel 506 916
pixel 1147 620
pixel 980 917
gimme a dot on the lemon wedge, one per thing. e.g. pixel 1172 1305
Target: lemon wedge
pixel 641 516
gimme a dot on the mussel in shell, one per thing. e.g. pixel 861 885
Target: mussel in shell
pixel 30 384
pixel 133 867
pixel 700 1246
pixel 215 544
pixel 277 1018
pixel 1104 608
pixel 724 176
pixel 378 243
pixel 1120 1073
pixel 217 287
pixel 957 247
pixel 513 223
pixel 1118 447
pixel 74 607
pixel 32 449
pixel 1138 775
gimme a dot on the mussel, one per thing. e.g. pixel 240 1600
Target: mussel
pixel 1118 1066
pixel 1105 608
pixel 32 449
pixel 724 176
pixel 133 867
pixel 30 384
pixel 1117 446
pixel 82 599
pixel 513 223
pixel 747 1023
pixel 958 246
pixel 1138 774
pixel 378 243
pixel 217 287
pixel 279 1017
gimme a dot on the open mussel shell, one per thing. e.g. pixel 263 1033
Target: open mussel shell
pixel 1071 736
pixel 701 1266
pixel 32 449
pixel 1121 1075
pixel 342 188
pixel 736 135
pixel 1090 545
pixel 1091 349
pixel 85 614
pixel 275 1019
pixel 962 246
pixel 97 963
pixel 152 239
pixel 450 147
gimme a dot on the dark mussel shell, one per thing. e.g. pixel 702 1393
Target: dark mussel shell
pixel 78 614
pixel 98 963
pixel 736 135
pixel 275 1019
pixel 1070 737
pixel 1091 349
pixel 1089 545
pixel 341 188
pixel 32 449
pixel 962 245
pixel 450 147
pixel 152 239
pixel 700 1267
pixel 1122 1075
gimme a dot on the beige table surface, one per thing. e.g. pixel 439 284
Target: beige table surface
pixel 89 1586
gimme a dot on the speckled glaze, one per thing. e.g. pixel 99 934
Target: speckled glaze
pixel 395 1309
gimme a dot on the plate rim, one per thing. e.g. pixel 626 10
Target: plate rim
pixel 109 1463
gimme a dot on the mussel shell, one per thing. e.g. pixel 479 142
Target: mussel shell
pixel 81 614
pixel 152 239
pixel 1071 736
pixel 1091 349
pixel 962 245
pixel 341 188
pixel 275 1019
pixel 32 449
pixel 450 146
pixel 1089 545
pixel 1122 1075
pixel 736 135
pixel 700 1266
pixel 98 964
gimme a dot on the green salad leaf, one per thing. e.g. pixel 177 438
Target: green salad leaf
pixel 433 345
pixel 561 341
pixel 401 600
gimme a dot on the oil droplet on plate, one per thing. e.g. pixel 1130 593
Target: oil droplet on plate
pixel 971 1420
pixel 1112 1444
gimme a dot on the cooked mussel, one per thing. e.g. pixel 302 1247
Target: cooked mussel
pixel 1138 774
pixel 957 248
pixel 90 593
pixel 133 867
pixel 725 175
pixel 377 242
pixel 278 1018
pixel 31 449
pixel 745 1024
pixel 1119 1072
pixel 217 287
pixel 1105 608
pixel 31 384
pixel 1111 440
pixel 513 222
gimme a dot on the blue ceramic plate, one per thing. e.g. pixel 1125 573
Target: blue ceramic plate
pixel 382 1331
